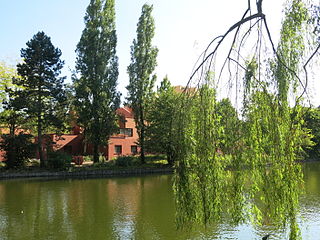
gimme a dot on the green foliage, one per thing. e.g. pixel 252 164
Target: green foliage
pixel 96 97
pixel 246 168
pixel 312 122
pixel 18 149
pixel 199 167
pixel 102 158
pixel 6 75
pixel 250 74
pixel 291 49
pixel 11 119
pixel 125 161
pixel 59 160
pixel 87 158
pixel 273 138
pixel 231 126
pixel 65 112
pixel 2 165
pixel 141 77
pixel 11 115
pixel 40 93
pixel 161 113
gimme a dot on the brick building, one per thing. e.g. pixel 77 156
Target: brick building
pixel 121 144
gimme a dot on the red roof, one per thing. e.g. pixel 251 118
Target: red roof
pixel 125 111
pixel 63 140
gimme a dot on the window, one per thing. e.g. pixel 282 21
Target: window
pixel 129 132
pixel 117 149
pixel 126 131
pixel 134 149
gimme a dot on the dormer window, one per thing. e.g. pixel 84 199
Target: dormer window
pixel 126 131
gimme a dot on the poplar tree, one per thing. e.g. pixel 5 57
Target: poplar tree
pixel 141 77
pixel 97 64
pixel 40 89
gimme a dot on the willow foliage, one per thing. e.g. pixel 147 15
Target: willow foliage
pixel 200 168
pixel 258 179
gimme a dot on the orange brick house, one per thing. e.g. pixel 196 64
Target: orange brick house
pixel 121 144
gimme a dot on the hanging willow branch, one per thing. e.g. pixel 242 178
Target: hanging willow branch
pixel 260 18
pixel 262 145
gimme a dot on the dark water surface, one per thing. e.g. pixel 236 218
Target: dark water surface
pixel 124 208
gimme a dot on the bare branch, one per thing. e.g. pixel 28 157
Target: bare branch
pixel 305 68
pixel 236 25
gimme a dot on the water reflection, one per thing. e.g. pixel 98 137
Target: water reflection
pixel 130 208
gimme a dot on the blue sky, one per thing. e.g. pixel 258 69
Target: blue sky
pixel 183 29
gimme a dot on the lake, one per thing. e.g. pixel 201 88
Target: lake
pixel 125 208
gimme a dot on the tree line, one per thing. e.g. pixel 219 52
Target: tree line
pixel 201 134
pixel 35 97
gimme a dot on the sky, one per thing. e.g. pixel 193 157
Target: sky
pixel 183 29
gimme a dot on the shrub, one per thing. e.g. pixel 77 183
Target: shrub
pixel 155 158
pixel 33 162
pixel 18 149
pixel 125 161
pixel 87 158
pixel 2 165
pixel 102 158
pixel 59 160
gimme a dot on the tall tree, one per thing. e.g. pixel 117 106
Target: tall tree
pixel 40 87
pixel 143 63
pixel 95 89
pixel 160 131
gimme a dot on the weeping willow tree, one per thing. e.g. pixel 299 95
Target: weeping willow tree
pixel 260 180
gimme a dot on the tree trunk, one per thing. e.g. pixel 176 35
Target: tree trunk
pixel 40 152
pixel 95 153
pixel 170 158
pixel 12 126
pixel 43 162
pixel 142 156
pixel 141 140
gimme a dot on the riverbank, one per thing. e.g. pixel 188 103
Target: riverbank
pixel 88 170
pixel 125 166
pixel 84 173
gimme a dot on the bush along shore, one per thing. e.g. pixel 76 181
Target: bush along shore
pixel 122 166
pixel 85 173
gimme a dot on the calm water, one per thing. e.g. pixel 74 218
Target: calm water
pixel 123 208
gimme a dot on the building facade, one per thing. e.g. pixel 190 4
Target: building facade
pixel 123 143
